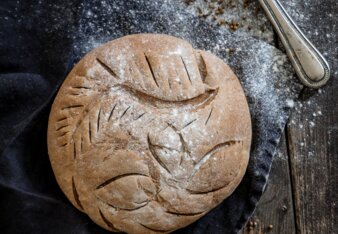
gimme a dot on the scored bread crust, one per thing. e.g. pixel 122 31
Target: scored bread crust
pixel 147 134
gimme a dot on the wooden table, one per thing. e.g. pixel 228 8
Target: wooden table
pixel 302 193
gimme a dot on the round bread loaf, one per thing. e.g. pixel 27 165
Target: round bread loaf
pixel 146 134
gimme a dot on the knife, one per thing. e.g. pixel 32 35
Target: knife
pixel 310 66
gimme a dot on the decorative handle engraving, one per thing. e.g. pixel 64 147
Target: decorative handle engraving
pixel 310 66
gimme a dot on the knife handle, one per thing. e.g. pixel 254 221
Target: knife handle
pixel 310 66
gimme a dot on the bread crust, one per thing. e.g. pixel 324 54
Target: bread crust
pixel 147 134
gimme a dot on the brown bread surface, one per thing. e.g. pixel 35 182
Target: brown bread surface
pixel 147 134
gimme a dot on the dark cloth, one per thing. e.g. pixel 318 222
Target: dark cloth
pixel 39 43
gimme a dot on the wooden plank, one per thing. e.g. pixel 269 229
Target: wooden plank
pixel 274 213
pixel 314 149
pixel 313 128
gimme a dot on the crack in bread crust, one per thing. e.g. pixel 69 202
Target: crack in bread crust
pixel 194 103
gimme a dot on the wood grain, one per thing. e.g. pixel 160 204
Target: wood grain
pixel 275 212
pixel 312 140
pixel 313 127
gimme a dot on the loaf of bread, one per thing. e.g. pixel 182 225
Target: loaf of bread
pixel 147 134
